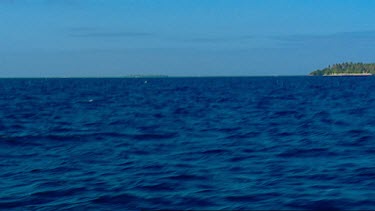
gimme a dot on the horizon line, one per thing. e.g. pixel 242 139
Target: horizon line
pixel 148 76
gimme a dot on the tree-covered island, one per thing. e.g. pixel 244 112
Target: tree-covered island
pixel 346 69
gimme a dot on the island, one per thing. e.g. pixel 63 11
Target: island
pixel 346 69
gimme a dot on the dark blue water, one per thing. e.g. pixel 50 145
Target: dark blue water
pixel 188 143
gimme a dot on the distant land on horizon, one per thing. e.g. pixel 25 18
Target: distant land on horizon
pixel 346 69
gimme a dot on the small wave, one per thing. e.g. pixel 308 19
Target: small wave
pixel 18 141
pixel 23 202
pixel 160 187
pixel 243 135
pixel 359 141
pixel 365 173
pixel 215 151
pixel 203 203
pixel 59 193
pixel 357 132
pixel 122 199
pixel 240 158
pixel 187 177
pixel 285 113
pixel 181 111
pixel 153 136
pixel 306 152
pixel 317 205
pixel 253 197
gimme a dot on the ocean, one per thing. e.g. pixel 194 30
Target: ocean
pixel 238 143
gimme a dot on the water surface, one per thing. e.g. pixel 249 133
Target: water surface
pixel 188 143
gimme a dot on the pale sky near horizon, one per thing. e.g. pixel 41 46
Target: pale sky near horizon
pixel 72 38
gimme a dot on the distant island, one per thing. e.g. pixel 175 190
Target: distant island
pixel 346 69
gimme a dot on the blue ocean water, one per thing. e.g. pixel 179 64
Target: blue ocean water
pixel 188 143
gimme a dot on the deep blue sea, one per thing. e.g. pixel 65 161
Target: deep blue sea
pixel 245 143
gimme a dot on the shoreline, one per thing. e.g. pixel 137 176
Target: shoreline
pixel 350 74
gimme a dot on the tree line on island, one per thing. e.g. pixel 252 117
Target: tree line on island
pixel 346 68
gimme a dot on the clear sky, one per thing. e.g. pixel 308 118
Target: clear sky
pixel 43 38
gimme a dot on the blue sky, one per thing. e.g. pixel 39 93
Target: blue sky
pixel 63 38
